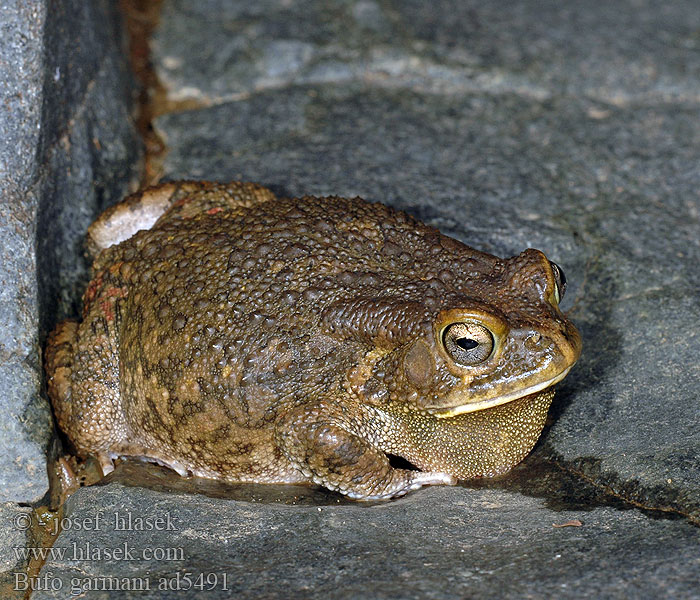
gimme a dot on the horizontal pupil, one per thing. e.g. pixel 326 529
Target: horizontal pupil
pixel 466 343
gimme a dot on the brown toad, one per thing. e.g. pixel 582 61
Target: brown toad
pixel 231 334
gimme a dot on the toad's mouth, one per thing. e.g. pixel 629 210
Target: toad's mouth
pixel 453 411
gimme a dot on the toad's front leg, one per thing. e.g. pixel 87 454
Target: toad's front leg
pixel 332 447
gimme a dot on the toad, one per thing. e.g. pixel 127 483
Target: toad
pixel 231 334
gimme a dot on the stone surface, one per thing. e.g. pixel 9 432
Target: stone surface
pixel 627 50
pixel 25 428
pixel 67 147
pixel 440 543
pixel 89 146
pixel 13 543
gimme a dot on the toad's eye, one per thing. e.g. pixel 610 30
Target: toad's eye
pixel 468 343
pixel 559 281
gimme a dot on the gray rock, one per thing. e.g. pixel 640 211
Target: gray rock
pixel 611 196
pixel 67 148
pixel 90 145
pixel 25 428
pixel 439 543
pixel 622 52
pixel 15 525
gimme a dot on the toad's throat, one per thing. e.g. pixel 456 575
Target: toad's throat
pixel 453 411
pixel 485 443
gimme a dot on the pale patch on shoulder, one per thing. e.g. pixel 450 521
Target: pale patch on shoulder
pixel 137 212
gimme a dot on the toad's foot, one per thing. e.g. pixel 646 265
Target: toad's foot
pixel 328 454
pixel 407 481
pixel 106 463
pixel 144 453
